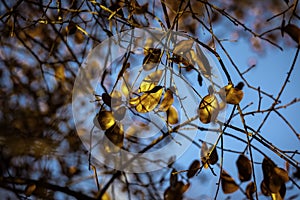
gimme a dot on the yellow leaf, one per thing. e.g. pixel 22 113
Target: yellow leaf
pixel 208 109
pixel 60 73
pixel 106 119
pixel 148 101
pixel 29 189
pixel 116 135
pixel 167 101
pixel 172 115
pixel 150 81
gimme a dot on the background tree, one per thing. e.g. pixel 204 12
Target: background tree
pixel 43 45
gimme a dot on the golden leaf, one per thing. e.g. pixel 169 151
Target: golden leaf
pixel 105 119
pixel 208 156
pixel 147 102
pixel 232 95
pixel 172 115
pixel 167 101
pixel 208 109
pixel 150 81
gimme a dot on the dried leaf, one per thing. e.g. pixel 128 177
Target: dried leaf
pixel 268 167
pixel 244 168
pixel 194 167
pixel 183 47
pixel 293 31
pixel 106 98
pixel 172 115
pixel 152 59
pixel 208 109
pixel 150 81
pixel 264 190
pixel 30 188
pixel 250 190
pixel 201 61
pixel 181 188
pixel 120 113
pixel 116 135
pixel 105 119
pixel 173 178
pixel 228 183
pixel 167 101
pixel 116 98
pixel 282 174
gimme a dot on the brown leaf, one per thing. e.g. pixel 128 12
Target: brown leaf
pixel 116 135
pixel 173 178
pixel 208 109
pixel 106 98
pixel 244 168
pixel 228 183
pixel 194 167
pixel 172 115
pixel 282 174
pixel 30 188
pixel 293 31
pixel 250 189
pixel 152 59
pixel 105 119
pixel 264 190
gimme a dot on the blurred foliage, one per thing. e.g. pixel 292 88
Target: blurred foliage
pixel 42 46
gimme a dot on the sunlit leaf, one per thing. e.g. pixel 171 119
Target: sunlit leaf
pixel 105 119
pixel 228 183
pixel 194 167
pixel 152 59
pixel 250 190
pixel 167 101
pixel 293 31
pixel 30 188
pixel 183 47
pixel 244 168
pixel 120 113
pixel 150 81
pixel 208 109
pixel 172 115
pixel 232 95
pixel 148 102
pixel 116 135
